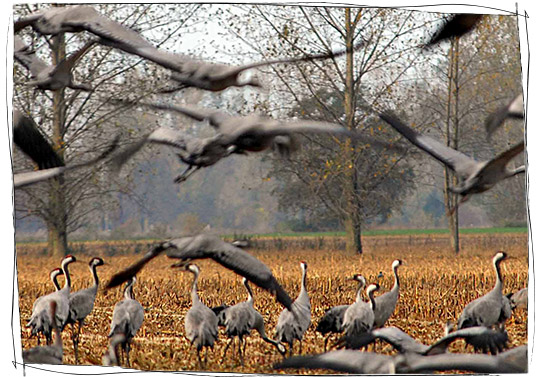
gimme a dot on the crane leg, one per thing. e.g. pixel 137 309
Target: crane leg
pixel 199 359
pixel 76 336
pixel 326 340
pixel 240 350
pixel 127 349
pixel 226 349
pixel 186 174
pixel 300 346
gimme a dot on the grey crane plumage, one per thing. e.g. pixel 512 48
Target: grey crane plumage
pixel 255 133
pixel 455 26
pixel 332 320
pixel 240 319
pixel 357 362
pixel 518 299
pixel 127 318
pixel 293 323
pixel 188 71
pixel 201 324
pixel 50 354
pixel 480 337
pixel 217 77
pixel 53 275
pixel 346 361
pixel 475 176
pixel 386 303
pixel 47 77
pixel 205 246
pixel 512 361
pixel 359 317
pixel 41 320
pixel 81 304
pixel 195 152
pixel 491 309
pixel 28 138
pixel 512 110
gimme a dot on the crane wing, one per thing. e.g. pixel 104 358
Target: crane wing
pixel 515 109
pixel 455 160
pixel 480 337
pixel 499 162
pixel 273 127
pixel 346 361
pixel 28 138
pixel 231 257
pixel 163 135
pixel 461 361
pixel 132 270
pixel 327 55
pixel 215 117
pixel 456 26
pixel 28 58
pixel 29 178
pixel 399 340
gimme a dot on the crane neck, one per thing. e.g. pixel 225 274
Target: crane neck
pixel 93 271
pixel 499 279
pixel 128 292
pixel 304 280
pixel 373 303
pixel 397 281
pixel 249 291
pixel 65 269
pixel 54 279
pixel 194 293
pixel 358 293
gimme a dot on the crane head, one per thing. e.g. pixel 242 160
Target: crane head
pixel 97 262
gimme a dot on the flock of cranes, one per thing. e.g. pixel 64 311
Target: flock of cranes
pixel 357 324
pixel 481 324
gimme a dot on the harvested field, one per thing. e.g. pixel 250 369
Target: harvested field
pixel 436 285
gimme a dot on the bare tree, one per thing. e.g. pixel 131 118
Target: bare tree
pixel 79 124
pixel 350 182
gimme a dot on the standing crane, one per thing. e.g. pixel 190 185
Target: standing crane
pixel 359 317
pixel 291 325
pixel 201 323
pixel 491 309
pixel 81 303
pixel 42 318
pixel 240 319
pixel 331 322
pixel 51 354
pixel 127 319
pixel 386 303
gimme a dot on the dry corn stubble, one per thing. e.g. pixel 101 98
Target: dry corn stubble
pixel 435 287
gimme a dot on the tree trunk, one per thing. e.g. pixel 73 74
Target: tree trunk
pixel 450 198
pixel 57 228
pixel 353 221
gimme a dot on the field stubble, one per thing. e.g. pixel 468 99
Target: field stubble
pixel 435 287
